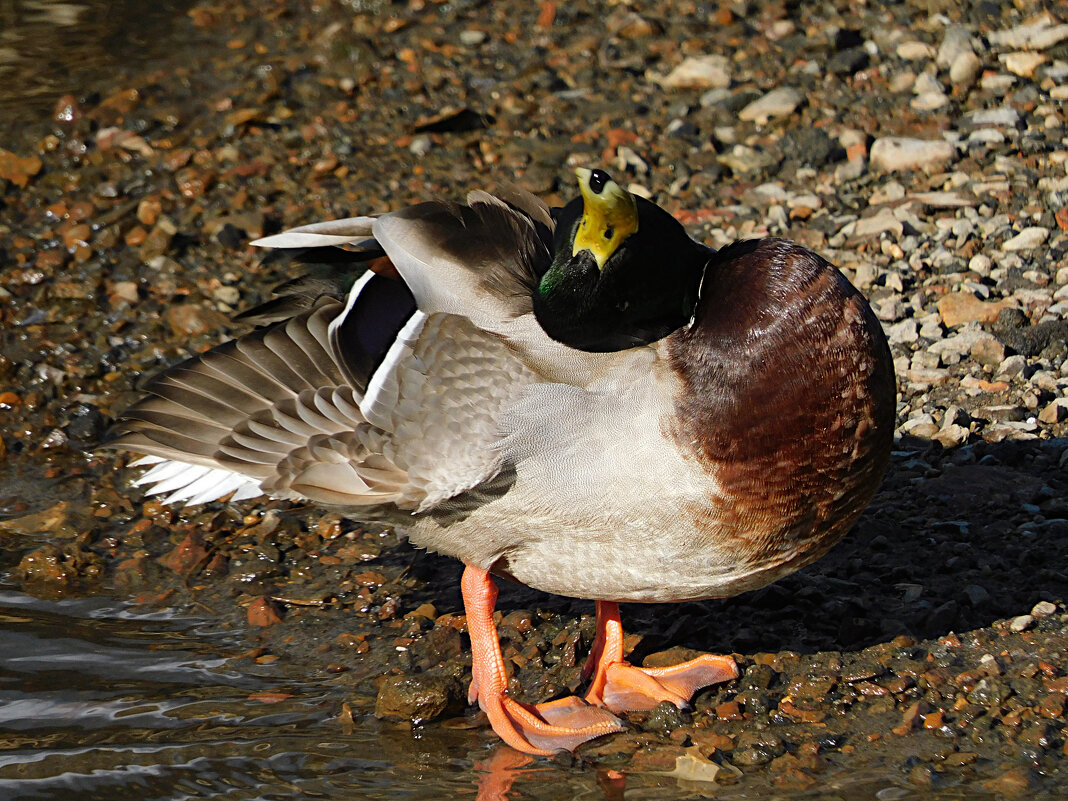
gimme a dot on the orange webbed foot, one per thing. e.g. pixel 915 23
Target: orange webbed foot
pixel 622 687
pixel 539 729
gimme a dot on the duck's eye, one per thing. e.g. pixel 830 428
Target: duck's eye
pixel 598 179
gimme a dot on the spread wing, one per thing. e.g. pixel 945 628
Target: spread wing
pixel 368 388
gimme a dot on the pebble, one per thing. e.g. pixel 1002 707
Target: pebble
pixel 1021 623
pixel 779 102
pixel 1028 239
pixel 905 331
pixel 420 145
pixel 744 159
pixel 988 352
pixel 958 308
pixel 1012 366
pixel 191 319
pixel 881 222
pixel 698 72
pixel 956 41
pixel 418 698
pixel 896 153
pixel 965 69
pixel 1043 609
pixel 998 117
pixel 915 51
pixel 472 38
pixel 1038 35
pixel 1022 63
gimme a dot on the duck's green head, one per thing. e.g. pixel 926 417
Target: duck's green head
pixel 624 271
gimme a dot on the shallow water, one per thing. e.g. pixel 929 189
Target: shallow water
pixel 48 49
pixel 103 700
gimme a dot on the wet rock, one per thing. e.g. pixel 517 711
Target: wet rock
pixel 47 565
pixel 53 520
pixel 419 699
pixel 1015 782
pixel 811 687
pixel 757 677
pixel 438 645
pixel 989 693
pixel 187 555
pixel 158 241
pixel 18 169
pixel 262 612
pixel 757 747
pixel 87 424
pixel 664 718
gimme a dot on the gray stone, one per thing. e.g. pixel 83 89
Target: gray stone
pixel 1003 117
pixel 1027 239
pixel 901 333
pixel 965 69
pixel 1012 366
pixel 779 102
pixel 894 153
pixel 956 41
pixel 1032 36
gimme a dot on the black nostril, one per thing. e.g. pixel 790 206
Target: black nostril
pixel 598 179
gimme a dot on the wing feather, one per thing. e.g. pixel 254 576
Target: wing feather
pixel 359 398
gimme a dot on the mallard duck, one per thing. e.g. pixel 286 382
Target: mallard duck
pixel 584 400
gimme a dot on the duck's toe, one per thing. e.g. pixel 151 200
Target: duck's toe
pixel 543 729
pixel 622 687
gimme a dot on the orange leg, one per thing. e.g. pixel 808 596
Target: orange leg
pixel 621 687
pixel 537 729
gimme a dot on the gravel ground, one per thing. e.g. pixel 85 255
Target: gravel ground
pixel 919 145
